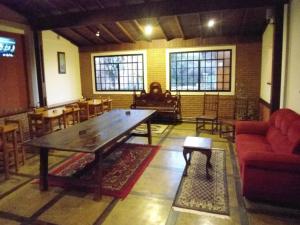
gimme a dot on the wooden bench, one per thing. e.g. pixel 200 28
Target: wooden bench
pixel 167 105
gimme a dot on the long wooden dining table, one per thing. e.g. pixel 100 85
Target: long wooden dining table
pixel 91 136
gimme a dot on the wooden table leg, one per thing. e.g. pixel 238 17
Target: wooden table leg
pixel 98 176
pixel 14 136
pixel 43 169
pixel 149 132
pixel 208 164
pixel 187 160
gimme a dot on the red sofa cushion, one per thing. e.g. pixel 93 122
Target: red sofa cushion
pixel 280 123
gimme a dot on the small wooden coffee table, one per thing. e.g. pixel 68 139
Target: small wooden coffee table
pixel 199 144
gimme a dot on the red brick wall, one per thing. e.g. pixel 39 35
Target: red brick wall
pixel 13 79
pixel 248 60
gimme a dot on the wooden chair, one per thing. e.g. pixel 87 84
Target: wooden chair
pixel 84 111
pixel 106 104
pixel 37 125
pixel 7 154
pixel 71 115
pixel 20 140
pixel 210 113
pixel 240 112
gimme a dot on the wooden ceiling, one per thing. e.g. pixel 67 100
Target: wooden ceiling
pixel 123 21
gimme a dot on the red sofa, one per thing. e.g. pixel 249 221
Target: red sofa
pixel 269 158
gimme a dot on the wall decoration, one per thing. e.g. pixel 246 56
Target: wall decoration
pixel 61 57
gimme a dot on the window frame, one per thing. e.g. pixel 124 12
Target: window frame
pixel 118 53
pixel 232 48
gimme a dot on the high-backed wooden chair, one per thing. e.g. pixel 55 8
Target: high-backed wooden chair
pixel 240 112
pixel 37 125
pixel 210 113
pixel 7 154
pixel 20 140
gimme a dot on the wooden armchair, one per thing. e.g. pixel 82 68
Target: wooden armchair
pixel 210 113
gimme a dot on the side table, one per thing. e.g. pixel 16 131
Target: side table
pixel 199 144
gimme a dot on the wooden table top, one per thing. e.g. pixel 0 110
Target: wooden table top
pixel 56 112
pixel 95 102
pixel 198 143
pixel 94 134
pixel 9 127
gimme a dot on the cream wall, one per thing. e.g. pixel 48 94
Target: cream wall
pixel 292 93
pixel 266 63
pixel 60 88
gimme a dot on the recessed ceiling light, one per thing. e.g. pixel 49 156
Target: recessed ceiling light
pixel 98 33
pixel 148 30
pixel 211 23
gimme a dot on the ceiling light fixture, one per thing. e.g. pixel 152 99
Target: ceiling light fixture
pixel 148 30
pixel 211 23
pixel 98 33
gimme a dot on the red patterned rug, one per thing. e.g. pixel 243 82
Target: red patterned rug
pixel 122 168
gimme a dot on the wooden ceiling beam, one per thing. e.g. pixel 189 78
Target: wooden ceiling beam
pixel 179 27
pixel 122 28
pixel 141 30
pixel 100 38
pixel 162 29
pixel 100 4
pixel 139 27
pixel 146 10
pixel 83 36
pixel 66 37
pixel 110 33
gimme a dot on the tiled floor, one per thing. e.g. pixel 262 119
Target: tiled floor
pixel 149 202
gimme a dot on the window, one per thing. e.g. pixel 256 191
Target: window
pixel 201 71
pixel 119 73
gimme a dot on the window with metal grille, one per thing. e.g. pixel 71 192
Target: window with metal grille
pixel 201 71
pixel 119 72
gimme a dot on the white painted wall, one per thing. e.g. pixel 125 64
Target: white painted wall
pixel 60 88
pixel 292 92
pixel 266 63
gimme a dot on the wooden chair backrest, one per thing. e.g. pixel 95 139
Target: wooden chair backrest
pixel 240 108
pixel 36 124
pixel 211 104
pixel 84 109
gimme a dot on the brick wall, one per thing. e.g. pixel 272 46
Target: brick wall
pixel 248 60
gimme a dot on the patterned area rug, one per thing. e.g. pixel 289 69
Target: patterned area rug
pixel 122 168
pixel 196 194
pixel 155 129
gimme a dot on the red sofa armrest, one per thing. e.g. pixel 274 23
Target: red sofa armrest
pixel 252 127
pixel 271 161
